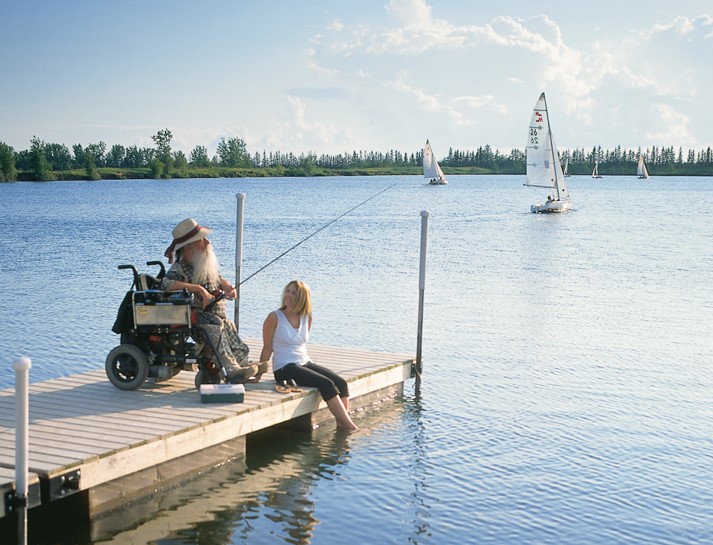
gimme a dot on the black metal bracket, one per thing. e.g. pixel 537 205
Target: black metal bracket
pixel 64 485
pixel 13 502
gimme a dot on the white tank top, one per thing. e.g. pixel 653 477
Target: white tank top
pixel 289 345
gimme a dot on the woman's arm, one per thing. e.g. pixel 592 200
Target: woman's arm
pixel 268 332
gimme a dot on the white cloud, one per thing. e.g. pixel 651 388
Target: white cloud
pixel 336 26
pixel 420 33
pixel 680 25
pixel 560 65
pixel 430 103
pixel 671 125
pixel 322 69
pixel 481 102
pixel 300 132
pixel 410 13
pixel 603 78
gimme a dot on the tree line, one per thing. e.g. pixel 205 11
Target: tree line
pixel 48 161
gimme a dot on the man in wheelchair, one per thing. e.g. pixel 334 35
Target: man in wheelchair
pixel 196 270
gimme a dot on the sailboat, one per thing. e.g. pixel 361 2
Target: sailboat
pixel 595 172
pixel 641 171
pixel 566 167
pixel 543 164
pixel 431 168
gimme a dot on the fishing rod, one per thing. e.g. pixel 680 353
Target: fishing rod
pixel 317 231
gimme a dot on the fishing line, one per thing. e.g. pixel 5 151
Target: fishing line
pixel 311 235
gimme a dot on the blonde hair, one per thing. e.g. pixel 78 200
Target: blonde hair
pixel 303 299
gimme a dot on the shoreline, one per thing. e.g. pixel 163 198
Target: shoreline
pixel 270 172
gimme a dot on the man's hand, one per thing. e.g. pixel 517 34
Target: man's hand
pixel 204 294
pixel 231 293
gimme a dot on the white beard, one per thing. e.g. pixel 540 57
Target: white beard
pixel 206 269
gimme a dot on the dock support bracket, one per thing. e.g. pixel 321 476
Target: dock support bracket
pixel 12 501
pixel 64 485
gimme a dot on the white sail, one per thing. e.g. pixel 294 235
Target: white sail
pixel 543 165
pixel 595 172
pixel 566 167
pixel 641 171
pixel 431 168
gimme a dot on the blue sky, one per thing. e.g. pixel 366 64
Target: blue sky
pixel 334 76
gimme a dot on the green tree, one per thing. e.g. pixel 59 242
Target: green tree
pixel 116 155
pixel 58 156
pixel 79 155
pixel 233 153
pixel 98 150
pixel 135 158
pixel 157 168
pixel 8 171
pixel 199 157
pixel 91 166
pixel 180 163
pixel 308 164
pixel 162 139
pixel 39 165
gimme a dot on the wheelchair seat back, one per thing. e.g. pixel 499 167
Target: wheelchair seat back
pixel 148 282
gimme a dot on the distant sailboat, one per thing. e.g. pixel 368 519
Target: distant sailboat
pixel 566 167
pixel 431 168
pixel 641 171
pixel 595 172
pixel 543 164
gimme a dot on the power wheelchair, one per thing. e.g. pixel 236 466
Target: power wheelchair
pixel 160 336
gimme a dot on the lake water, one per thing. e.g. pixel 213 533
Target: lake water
pixel 568 359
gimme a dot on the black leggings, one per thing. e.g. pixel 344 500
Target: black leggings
pixel 312 375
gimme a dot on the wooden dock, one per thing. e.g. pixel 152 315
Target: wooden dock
pixel 86 436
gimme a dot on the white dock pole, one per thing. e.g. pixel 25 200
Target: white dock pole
pixel 22 444
pixel 238 255
pixel 421 290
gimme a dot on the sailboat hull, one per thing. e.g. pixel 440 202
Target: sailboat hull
pixel 438 181
pixel 551 206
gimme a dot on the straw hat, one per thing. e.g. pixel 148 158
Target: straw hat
pixel 183 234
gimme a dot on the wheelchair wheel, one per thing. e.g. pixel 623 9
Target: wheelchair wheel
pixel 127 367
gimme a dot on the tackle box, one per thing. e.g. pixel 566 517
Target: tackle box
pixel 222 393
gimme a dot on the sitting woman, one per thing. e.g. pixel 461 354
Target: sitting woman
pixel 285 334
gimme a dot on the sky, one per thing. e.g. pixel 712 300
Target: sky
pixel 337 76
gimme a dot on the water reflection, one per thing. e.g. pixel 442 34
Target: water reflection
pixel 293 484
pixel 418 470
pixel 230 504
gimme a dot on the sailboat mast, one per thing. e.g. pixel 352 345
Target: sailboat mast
pixel 552 147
